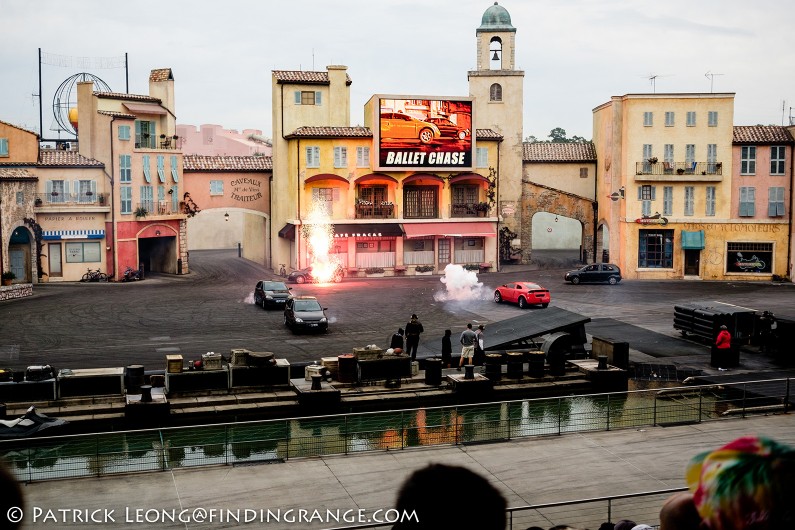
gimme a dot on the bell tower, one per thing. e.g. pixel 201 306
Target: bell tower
pixel 498 89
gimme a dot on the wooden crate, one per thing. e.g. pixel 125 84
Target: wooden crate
pixel 173 364
pixel 331 364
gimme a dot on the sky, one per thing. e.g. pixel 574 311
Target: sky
pixel 575 54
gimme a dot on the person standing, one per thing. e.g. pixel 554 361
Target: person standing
pixel 467 340
pixel 447 349
pixel 397 340
pixel 480 353
pixel 721 351
pixel 413 330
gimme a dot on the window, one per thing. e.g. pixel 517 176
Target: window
pixel 655 249
pixel 216 187
pixel 362 157
pixel 709 208
pixel 83 252
pixel 777 158
pixel 647 154
pixel 174 199
pixel 712 118
pixel 668 200
pixel 161 168
pixel 174 168
pixel 775 201
pixel 125 168
pixel 147 199
pixel 690 155
pixel 420 202
pixel 481 157
pixel 712 157
pixel 583 172
pixel 668 158
pixel 126 199
pixel 749 257
pixel 648 119
pixel 646 194
pixel 747 202
pixel 313 156
pixel 3 146
pixel 748 160
pixel 495 92
pixel 340 157
pixel 669 119
pixel 307 97
pixel 464 197
pixel 86 191
pixel 147 172
pixel 145 134
pixel 322 200
pixel 57 191
pixel 689 193
pixel 124 132
pixel 691 119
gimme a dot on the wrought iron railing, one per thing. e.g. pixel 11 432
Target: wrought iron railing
pixel 279 440
pixel 678 168
pixel 58 199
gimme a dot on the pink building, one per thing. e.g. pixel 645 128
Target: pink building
pixel 214 140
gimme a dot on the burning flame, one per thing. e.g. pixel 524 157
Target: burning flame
pixel 320 239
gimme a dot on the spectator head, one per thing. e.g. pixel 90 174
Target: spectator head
pixel 481 327
pixel 642 527
pixel 10 497
pixel 744 485
pixel 414 316
pixel 469 325
pixel 723 326
pixel 429 489
pixel 624 524
pixel 607 526
pixel 448 332
pixel 679 513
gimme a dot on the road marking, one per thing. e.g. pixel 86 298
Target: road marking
pixel 165 337
pixel 172 348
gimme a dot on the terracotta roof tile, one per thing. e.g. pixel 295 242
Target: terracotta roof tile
pixel 58 158
pixel 761 134
pixel 161 74
pixel 487 134
pixel 301 77
pixel 558 152
pixel 117 114
pixel 18 127
pixel 15 173
pixel 331 132
pixel 227 163
pixel 132 97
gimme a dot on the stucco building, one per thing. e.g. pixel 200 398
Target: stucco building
pixel 214 140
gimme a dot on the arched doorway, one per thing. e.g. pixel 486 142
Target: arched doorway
pixel 603 243
pixel 19 254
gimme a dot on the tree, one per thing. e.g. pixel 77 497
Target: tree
pixel 558 136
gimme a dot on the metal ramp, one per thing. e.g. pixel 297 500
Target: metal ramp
pixel 519 332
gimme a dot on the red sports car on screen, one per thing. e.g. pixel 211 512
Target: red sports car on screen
pixel 523 293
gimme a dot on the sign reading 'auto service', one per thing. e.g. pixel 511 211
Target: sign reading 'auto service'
pixel 424 133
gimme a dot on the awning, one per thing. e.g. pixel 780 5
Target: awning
pixel 72 234
pixel 693 240
pixel 480 229
pixel 288 232
pixel 145 108
pixel 368 230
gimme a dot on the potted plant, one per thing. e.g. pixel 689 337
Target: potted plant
pixel 481 208
pixel 374 271
pixel 653 160
pixel 8 277
pixel 680 171
pixel 423 269
pixel 140 212
pixel 38 201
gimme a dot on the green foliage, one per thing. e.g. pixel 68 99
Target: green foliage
pixel 558 136
pixel 424 268
pixel 8 275
pixel 374 270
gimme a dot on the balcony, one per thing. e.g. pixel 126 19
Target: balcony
pixel 73 201
pixel 375 210
pixel 674 171
pixel 156 208
pixel 475 209
pixel 145 141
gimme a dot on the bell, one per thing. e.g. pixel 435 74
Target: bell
pixel 495 57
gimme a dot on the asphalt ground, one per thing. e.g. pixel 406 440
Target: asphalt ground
pixel 94 325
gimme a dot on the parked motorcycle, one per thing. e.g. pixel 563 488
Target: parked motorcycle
pixel 131 275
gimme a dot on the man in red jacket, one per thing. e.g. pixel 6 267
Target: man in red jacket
pixel 721 351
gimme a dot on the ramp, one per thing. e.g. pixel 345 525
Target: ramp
pixel 519 332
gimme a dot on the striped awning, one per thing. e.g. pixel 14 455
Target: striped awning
pixel 72 234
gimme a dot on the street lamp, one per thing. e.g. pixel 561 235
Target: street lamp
pixel 226 216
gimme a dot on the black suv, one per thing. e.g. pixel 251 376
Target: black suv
pixel 594 273
pixel 271 294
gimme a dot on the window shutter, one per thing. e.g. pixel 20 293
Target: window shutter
pixel 640 193
pixel 318 98
pixel 751 201
pixel 315 194
pixel 297 97
pixel 654 193
pixel 4 146
pixel 335 194
pixel 145 161
pixel 771 202
pixel 48 190
pixel 174 169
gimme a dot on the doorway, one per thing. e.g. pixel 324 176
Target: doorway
pixel 54 256
pixel 443 253
pixel 692 261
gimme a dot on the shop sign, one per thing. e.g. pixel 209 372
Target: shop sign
pixel 653 220
pixel 758 261
pixel 363 234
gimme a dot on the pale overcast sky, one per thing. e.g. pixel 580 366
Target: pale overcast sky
pixel 576 54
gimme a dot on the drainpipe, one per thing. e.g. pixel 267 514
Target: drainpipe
pixel 298 190
pixel 595 210
pixel 112 272
pixel 497 202
pixel 789 210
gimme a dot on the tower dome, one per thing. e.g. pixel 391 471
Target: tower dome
pixel 496 18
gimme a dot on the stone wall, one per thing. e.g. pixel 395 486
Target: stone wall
pixel 19 290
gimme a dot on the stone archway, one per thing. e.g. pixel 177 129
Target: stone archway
pixel 539 198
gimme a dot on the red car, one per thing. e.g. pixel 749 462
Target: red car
pixel 523 293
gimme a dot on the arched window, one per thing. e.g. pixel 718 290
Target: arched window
pixel 495 92
pixel 495 54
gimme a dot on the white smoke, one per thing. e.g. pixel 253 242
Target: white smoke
pixel 460 284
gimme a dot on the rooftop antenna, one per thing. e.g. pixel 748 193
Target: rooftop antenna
pixel 653 80
pixel 711 77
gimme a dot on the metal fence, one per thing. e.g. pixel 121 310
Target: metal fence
pixel 279 440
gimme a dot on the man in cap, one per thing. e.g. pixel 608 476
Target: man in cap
pixel 413 330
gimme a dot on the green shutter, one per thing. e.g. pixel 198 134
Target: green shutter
pixel 174 168
pixel 318 98
pixel 297 97
pixel 147 175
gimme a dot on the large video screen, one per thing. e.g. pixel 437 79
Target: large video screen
pixel 424 133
